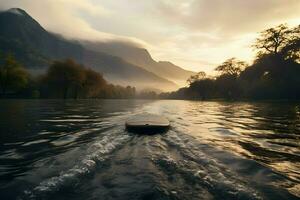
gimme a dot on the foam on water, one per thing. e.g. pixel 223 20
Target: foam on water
pixel 210 173
pixel 35 142
pixel 97 153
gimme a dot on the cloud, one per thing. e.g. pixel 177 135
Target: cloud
pixel 197 34
pixel 65 17
pixel 215 30
pixel 230 16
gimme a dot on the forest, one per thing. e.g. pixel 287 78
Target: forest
pixel 63 79
pixel 274 74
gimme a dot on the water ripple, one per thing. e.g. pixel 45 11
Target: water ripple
pixel 214 150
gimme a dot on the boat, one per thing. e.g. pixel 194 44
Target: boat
pixel 147 123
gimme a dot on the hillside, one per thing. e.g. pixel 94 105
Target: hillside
pixel 141 57
pixel 36 48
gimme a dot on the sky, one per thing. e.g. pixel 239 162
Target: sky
pixel 194 34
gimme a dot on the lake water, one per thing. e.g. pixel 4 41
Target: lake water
pixel 55 149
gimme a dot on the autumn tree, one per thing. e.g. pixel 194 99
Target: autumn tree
pixel 13 76
pixel 67 79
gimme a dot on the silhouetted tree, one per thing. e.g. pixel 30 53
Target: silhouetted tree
pixel 130 92
pixel 196 77
pixel 272 40
pixel 274 74
pixel 93 83
pixel 148 94
pixel 291 50
pixel 228 87
pixel 231 66
pixel 202 89
pixel 65 77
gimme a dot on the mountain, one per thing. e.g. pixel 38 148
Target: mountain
pixel 121 72
pixel 36 48
pixel 30 42
pixel 141 57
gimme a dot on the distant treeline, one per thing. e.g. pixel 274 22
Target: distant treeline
pixel 275 73
pixel 64 79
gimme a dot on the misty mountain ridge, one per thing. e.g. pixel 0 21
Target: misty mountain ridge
pixel 141 57
pixel 36 48
pixel 31 44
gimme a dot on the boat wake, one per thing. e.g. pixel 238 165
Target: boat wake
pixel 96 155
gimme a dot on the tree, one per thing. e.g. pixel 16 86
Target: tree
pixel 130 92
pixel 272 40
pixel 93 83
pixel 65 77
pixel 196 77
pixel 13 76
pixel 273 75
pixel 202 89
pixel 291 50
pixel 232 67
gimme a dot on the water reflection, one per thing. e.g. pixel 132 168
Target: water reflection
pixel 266 132
pixel 214 150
